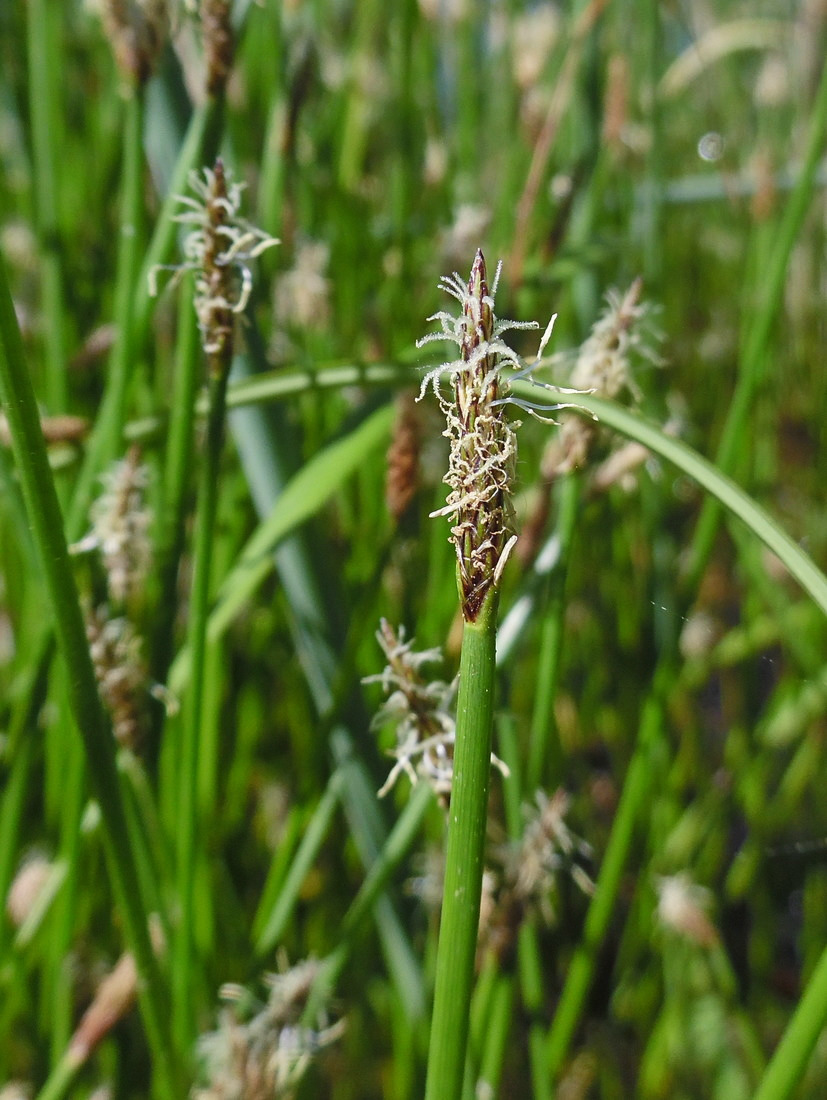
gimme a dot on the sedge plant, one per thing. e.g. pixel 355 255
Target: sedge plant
pixel 218 251
pixel 481 469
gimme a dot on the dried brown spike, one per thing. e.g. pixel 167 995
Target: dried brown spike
pixel 219 43
pixel 402 478
pixel 115 996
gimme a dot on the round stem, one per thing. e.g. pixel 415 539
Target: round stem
pixel 464 858
pixel 187 821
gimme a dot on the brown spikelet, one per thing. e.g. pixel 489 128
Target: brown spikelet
pixel 56 429
pixel 121 676
pixel 764 200
pixel 217 320
pixel 483 444
pixel 218 43
pixel 95 347
pixel 402 478
pixel 114 998
pixel 616 104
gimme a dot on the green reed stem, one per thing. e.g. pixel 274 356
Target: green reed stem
pixel 500 1023
pixel 58 980
pixel 48 535
pixel 464 857
pixel 20 751
pixel 545 755
pixel 177 473
pixel 61 1078
pixel 188 762
pixel 786 1070
pixel 602 907
pixel 106 439
pixel 43 110
pixel 399 842
pixel 274 922
pixel 529 955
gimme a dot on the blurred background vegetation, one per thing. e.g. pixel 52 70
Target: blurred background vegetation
pixel 650 650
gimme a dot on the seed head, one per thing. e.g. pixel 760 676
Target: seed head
pixel 524 878
pixel 122 677
pixel 604 365
pixel 217 33
pixel 420 708
pixel 261 1051
pixel 422 711
pixel 120 527
pixel 683 907
pixel 219 250
pixel 483 446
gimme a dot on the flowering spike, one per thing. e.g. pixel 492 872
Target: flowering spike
pixel 218 43
pixel 264 1049
pixel 423 712
pixel 218 250
pixel 121 522
pixel 483 444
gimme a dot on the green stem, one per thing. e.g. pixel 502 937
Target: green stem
pixel 20 752
pixel 499 1025
pixel 355 124
pixel 629 812
pixel 529 954
pixel 464 857
pixel 177 473
pixel 274 923
pixel 107 435
pixel 57 1002
pixel 397 846
pixel 61 1078
pixel 785 1072
pixel 544 744
pixel 43 108
pixel 188 762
pixel 261 389
pixel 48 534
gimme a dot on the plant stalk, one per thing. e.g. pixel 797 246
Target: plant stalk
pixel 785 1073
pixel 188 763
pixel 48 535
pixel 464 858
